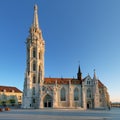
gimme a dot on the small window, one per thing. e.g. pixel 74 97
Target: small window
pixel 88 82
pixel 40 55
pixel 19 97
pixel 34 66
pixel 33 100
pixel 34 52
pixel 33 90
pixel 34 79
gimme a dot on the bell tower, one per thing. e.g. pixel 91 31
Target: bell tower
pixel 34 76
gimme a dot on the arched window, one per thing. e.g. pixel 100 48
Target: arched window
pixel 40 74
pixel 34 79
pixel 76 94
pixel 33 100
pixel 40 55
pixel 63 94
pixel 88 93
pixel 34 52
pixel 34 66
pixel 33 91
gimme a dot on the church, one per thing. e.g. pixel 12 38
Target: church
pixel 71 93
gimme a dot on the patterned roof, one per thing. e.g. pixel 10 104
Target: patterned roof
pixel 9 89
pixel 100 84
pixel 61 81
pixel 67 80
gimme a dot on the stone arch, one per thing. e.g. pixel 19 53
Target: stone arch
pixel 89 104
pixel 48 101
pixel 34 79
pixel 34 66
pixel 34 52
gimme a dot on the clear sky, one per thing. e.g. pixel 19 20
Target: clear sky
pixel 75 31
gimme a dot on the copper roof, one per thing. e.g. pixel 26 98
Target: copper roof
pixel 9 89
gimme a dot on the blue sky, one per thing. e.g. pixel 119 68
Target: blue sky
pixel 75 31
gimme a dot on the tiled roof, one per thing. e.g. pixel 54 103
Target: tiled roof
pixel 9 89
pixel 100 84
pixel 61 81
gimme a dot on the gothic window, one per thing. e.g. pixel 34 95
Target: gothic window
pixel 39 68
pixel 33 91
pixel 33 100
pixel 34 79
pixel 34 52
pixel 28 54
pixel 25 93
pixel 19 98
pixel 28 67
pixel 39 76
pixel 63 94
pixel 34 66
pixel 76 94
pixel 88 93
pixel 40 55
pixel 88 82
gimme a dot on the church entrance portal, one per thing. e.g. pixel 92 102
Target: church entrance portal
pixel 88 105
pixel 48 101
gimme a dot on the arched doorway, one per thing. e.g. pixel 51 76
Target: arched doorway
pixel 48 101
pixel 88 105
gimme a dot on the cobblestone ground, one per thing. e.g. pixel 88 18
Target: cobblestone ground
pixel 55 114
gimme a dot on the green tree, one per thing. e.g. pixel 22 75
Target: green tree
pixel 12 101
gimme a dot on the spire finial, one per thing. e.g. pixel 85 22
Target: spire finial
pixel 79 74
pixel 35 20
pixel 79 71
pixel 94 77
pixel 35 7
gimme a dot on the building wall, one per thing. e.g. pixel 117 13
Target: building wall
pixel 55 92
pixel 7 96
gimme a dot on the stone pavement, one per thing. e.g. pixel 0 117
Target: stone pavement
pixel 59 114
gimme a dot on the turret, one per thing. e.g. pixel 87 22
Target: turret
pixel 79 74
pixel 94 76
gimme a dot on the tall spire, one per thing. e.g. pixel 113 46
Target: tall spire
pixel 94 77
pixel 79 74
pixel 79 71
pixel 35 20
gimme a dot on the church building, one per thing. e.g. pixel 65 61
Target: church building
pixel 41 92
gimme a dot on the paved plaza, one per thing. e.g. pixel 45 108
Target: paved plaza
pixel 55 114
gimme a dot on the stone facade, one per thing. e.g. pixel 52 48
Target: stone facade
pixel 10 96
pixel 41 92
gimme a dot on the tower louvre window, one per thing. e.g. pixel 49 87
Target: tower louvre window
pixel 34 79
pixel 40 55
pixel 33 100
pixel 34 66
pixel 33 91
pixel 34 52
